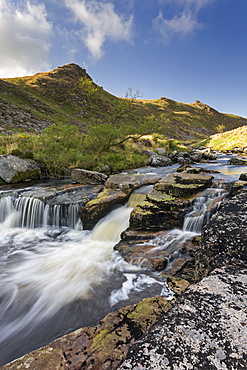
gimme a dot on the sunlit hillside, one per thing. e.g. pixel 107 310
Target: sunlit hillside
pixel 229 140
pixel 34 102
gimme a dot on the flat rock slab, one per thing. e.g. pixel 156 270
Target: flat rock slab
pixel 183 184
pixel 129 182
pixel 14 169
pixel 205 329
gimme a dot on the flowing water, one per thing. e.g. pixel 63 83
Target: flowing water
pixel 56 277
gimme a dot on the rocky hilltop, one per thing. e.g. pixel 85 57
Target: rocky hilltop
pixel 32 103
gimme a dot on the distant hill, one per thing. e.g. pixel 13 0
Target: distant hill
pixel 32 103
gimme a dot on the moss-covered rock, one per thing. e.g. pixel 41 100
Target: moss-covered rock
pixel 183 184
pixel 159 212
pixel 97 208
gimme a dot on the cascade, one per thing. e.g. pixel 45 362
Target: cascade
pixel 54 282
pixel 29 212
pixel 203 207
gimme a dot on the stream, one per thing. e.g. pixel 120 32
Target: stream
pixel 56 277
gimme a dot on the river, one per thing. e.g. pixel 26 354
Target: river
pixel 56 277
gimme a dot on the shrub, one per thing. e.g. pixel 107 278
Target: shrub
pixel 60 146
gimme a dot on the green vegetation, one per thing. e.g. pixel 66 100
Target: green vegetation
pixel 63 119
pixel 228 140
pixel 59 147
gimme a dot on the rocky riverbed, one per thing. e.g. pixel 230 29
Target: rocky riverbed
pixel 202 326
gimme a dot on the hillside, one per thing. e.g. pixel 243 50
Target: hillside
pixel 236 138
pixel 32 103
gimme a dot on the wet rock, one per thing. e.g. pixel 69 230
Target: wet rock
pixel 14 169
pixel 129 182
pixel 158 212
pixel 159 161
pixel 224 238
pixel 142 252
pixel 243 177
pixel 160 251
pixel 205 329
pixel 183 184
pixel 86 177
pixel 99 207
pixel 195 170
pixel 237 186
pixel 207 154
pixel 237 161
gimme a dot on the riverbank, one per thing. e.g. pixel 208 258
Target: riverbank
pixel 203 325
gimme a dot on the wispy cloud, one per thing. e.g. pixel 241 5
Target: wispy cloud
pixel 24 38
pixel 100 22
pixel 184 21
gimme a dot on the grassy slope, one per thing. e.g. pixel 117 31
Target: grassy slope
pixel 57 97
pixel 229 140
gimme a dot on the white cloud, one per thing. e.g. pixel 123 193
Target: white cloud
pixel 100 23
pixel 182 24
pixel 24 38
pixel 184 21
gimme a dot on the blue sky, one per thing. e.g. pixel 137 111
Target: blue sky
pixel 185 50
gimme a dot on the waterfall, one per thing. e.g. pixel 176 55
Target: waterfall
pixel 54 282
pixel 29 212
pixel 203 207
pixel 62 215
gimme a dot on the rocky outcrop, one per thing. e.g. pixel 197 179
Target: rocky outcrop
pixel 159 211
pixel 14 169
pixel 243 176
pixel 162 158
pixel 13 117
pixel 205 329
pixel 143 248
pixel 165 206
pixel 82 176
pixel 116 192
pixel 224 238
